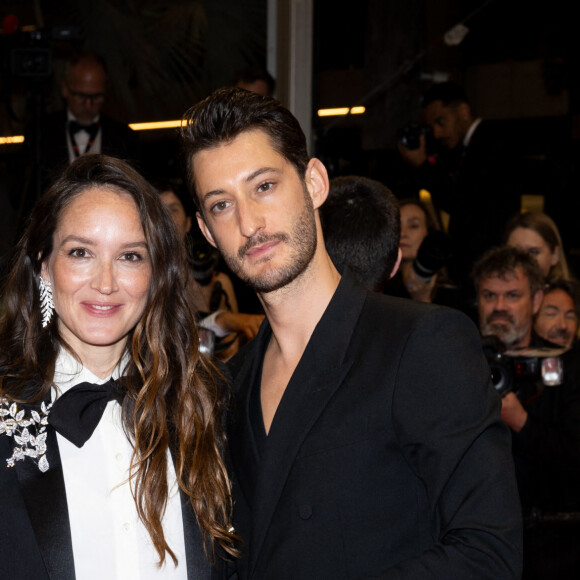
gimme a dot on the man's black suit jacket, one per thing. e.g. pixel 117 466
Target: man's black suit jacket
pixel 35 537
pixel 387 457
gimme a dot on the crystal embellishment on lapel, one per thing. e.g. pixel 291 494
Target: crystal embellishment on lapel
pixel 29 432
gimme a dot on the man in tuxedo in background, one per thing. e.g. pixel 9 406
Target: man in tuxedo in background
pixel 82 127
pixel 365 438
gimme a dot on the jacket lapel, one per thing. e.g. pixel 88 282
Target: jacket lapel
pixel 45 498
pixel 321 370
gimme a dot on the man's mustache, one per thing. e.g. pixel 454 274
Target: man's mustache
pixel 259 240
pixel 501 314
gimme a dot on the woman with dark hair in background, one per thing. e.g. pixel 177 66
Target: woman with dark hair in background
pixel 110 420
pixel 416 224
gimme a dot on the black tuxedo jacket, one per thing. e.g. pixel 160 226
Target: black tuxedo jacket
pixel 35 538
pixel 117 140
pixel 387 457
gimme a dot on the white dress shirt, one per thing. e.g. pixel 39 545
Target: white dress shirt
pixel 82 139
pixel 109 540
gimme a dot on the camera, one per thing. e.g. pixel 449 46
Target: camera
pixel 410 135
pixel 432 255
pixel 510 370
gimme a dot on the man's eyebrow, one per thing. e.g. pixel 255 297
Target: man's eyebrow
pixel 248 179
pixel 261 171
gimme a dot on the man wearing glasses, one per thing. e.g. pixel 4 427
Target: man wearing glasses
pixel 82 128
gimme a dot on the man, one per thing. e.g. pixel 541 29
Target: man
pixel 545 421
pixel 469 177
pixel 509 294
pixel 256 79
pixel 82 128
pixel 361 227
pixel 557 319
pixel 365 439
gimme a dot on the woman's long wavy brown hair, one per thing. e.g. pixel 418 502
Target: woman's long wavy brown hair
pixel 174 397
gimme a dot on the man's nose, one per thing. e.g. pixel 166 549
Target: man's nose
pixel 250 218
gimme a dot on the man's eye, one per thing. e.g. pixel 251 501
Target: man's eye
pixel 266 186
pixel 220 206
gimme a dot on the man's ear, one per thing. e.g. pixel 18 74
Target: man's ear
pixel 317 184
pixel 537 301
pixel 204 229
pixel 397 263
pixel 464 111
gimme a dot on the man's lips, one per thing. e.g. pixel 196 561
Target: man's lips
pixel 260 249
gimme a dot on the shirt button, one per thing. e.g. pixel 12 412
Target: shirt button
pixel 126 526
pixel 119 457
pixel 305 512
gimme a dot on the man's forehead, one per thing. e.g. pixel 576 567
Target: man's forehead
pixel 559 297
pixel 505 280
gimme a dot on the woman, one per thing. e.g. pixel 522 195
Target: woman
pixel 537 234
pixel 98 291
pixel 213 290
pixel 416 223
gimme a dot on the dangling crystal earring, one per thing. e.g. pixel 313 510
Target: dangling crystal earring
pixel 46 302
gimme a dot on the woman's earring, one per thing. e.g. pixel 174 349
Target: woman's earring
pixel 46 302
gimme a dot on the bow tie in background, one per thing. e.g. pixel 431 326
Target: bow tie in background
pixel 76 414
pixel 75 127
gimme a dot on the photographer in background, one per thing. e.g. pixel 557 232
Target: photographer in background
pixel 557 319
pixel 544 421
pixel 467 175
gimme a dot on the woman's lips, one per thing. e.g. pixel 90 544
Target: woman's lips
pixel 101 308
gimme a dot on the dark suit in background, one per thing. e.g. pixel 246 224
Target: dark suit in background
pixel 387 456
pixel 117 140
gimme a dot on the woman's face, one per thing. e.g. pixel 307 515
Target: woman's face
pixel 531 242
pixel 181 220
pixel 99 269
pixel 413 230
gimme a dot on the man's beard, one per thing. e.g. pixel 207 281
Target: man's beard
pixel 302 241
pixel 509 333
pixel 560 336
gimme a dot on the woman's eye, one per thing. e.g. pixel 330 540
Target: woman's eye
pixel 132 257
pixel 78 253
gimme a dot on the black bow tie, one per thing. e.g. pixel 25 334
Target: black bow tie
pixel 75 127
pixel 76 414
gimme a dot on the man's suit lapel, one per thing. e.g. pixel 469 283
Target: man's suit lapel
pixel 321 370
pixel 45 498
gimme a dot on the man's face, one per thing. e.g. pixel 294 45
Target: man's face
pixel 557 320
pixel 256 210
pixel 84 91
pixel 506 307
pixel 449 124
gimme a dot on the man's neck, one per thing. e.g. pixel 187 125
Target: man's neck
pixel 294 310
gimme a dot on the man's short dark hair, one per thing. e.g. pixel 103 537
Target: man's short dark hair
pixel 450 94
pixel 566 286
pixel 503 261
pixel 227 113
pixel 251 74
pixel 361 225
